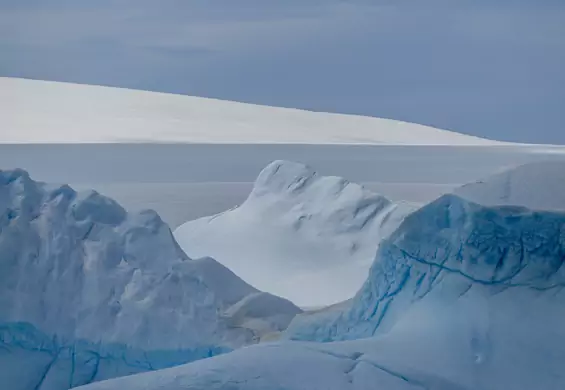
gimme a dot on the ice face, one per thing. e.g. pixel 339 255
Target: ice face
pixel 30 359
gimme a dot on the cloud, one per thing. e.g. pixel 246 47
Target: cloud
pixel 486 68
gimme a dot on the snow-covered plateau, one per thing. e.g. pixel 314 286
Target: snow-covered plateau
pixel 89 291
pixel 298 233
pixel 461 297
pixel 33 111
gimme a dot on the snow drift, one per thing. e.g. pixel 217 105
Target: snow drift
pixel 306 237
pixel 460 297
pixel 538 186
pixel 34 111
pixel 89 291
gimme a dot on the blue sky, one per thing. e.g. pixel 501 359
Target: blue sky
pixel 489 68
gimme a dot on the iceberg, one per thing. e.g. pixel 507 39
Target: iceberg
pixel 300 235
pixel 89 291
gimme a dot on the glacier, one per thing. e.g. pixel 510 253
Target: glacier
pixel 461 296
pixel 37 111
pixel 89 291
pixel 297 233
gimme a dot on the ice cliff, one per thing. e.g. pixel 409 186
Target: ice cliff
pixel 446 250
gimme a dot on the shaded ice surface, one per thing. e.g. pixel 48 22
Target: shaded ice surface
pixel 460 297
pixel 89 292
pixel 539 186
pixel 303 236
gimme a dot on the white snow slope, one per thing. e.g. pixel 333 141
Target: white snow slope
pixel 50 112
pixel 89 292
pixel 539 186
pixel 305 237
pixel 460 297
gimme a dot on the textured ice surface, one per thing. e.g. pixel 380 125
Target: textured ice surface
pixel 88 291
pixel 460 297
pixel 300 235
pixel 539 186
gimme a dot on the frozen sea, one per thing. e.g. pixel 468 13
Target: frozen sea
pixel 187 181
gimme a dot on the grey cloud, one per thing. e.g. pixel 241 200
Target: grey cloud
pixel 487 68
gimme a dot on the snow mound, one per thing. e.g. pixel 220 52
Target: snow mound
pixel 460 297
pixel 538 186
pixel 34 111
pixel 299 235
pixel 89 291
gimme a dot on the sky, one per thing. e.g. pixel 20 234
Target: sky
pixel 491 68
